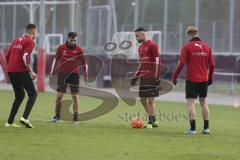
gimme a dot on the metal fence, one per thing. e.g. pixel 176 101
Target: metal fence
pixel 96 24
pixel 216 34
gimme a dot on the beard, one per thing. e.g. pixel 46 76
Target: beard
pixel 140 41
pixel 71 44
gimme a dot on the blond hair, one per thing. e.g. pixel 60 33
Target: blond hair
pixel 191 30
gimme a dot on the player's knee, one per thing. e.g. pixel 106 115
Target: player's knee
pixel 33 96
pixel 58 99
pixel 202 101
pixel 20 97
pixel 75 97
pixel 151 100
pixel 143 100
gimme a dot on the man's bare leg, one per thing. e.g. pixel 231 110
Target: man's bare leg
pixel 75 99
pixel 151 106
pixel 144 102
pixel 58 104
pixel 191 113
pixel 205 112
pixel 152 111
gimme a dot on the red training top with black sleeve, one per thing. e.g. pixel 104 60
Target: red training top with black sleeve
pixel 68 59
pixel 18 56
pixel 149 60
pixel 199 60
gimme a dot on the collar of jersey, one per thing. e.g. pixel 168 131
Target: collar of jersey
pixel 147 41
pixel 26 35
pixel 195 39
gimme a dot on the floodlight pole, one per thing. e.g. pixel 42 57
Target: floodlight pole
pixel 165 26
pixel 72 12
pixel 14 20
pixel 197 13
pixel 112 2
pixel 31 14
pixel 42 23
pixel 3 22
pixel 136 14
pixel 231 24
pixel 54 18
pixel 213 36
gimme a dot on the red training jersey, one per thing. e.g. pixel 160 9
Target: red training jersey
pixel 68 59
pixel 199 60
pixel 19 47
pixel 149 60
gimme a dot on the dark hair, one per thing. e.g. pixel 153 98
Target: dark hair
pixel 30 26
pixel 72 34
pixel 140 30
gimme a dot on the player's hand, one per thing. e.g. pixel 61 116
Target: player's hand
pixel 85 77
pixel 33 75
pixel 52 73
pixel 157 81
pixel 210 82
pixel 133 81
pixel 174 81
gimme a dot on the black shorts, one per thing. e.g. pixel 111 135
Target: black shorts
pixel 149 87
pixel 196 89
pixel 68 79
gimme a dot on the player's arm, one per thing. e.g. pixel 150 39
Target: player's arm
pixel 155 53
pixel 26 59
pixel 84 65
pixel 157 64
pixel 211 68
pixel 180 65
pixel 8 53
pixel 55 60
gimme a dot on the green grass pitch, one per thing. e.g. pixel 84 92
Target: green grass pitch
pixel 111 136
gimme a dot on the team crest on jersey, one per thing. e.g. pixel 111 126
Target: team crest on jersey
pixel 64 53
pixel 18 46
pixel 140 50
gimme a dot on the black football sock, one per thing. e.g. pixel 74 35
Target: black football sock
pixel 154 118
pixel 206 124
pixel 75 116
pixel 150 119
pixel 58 109
pixel 58 113
pixel 193 124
